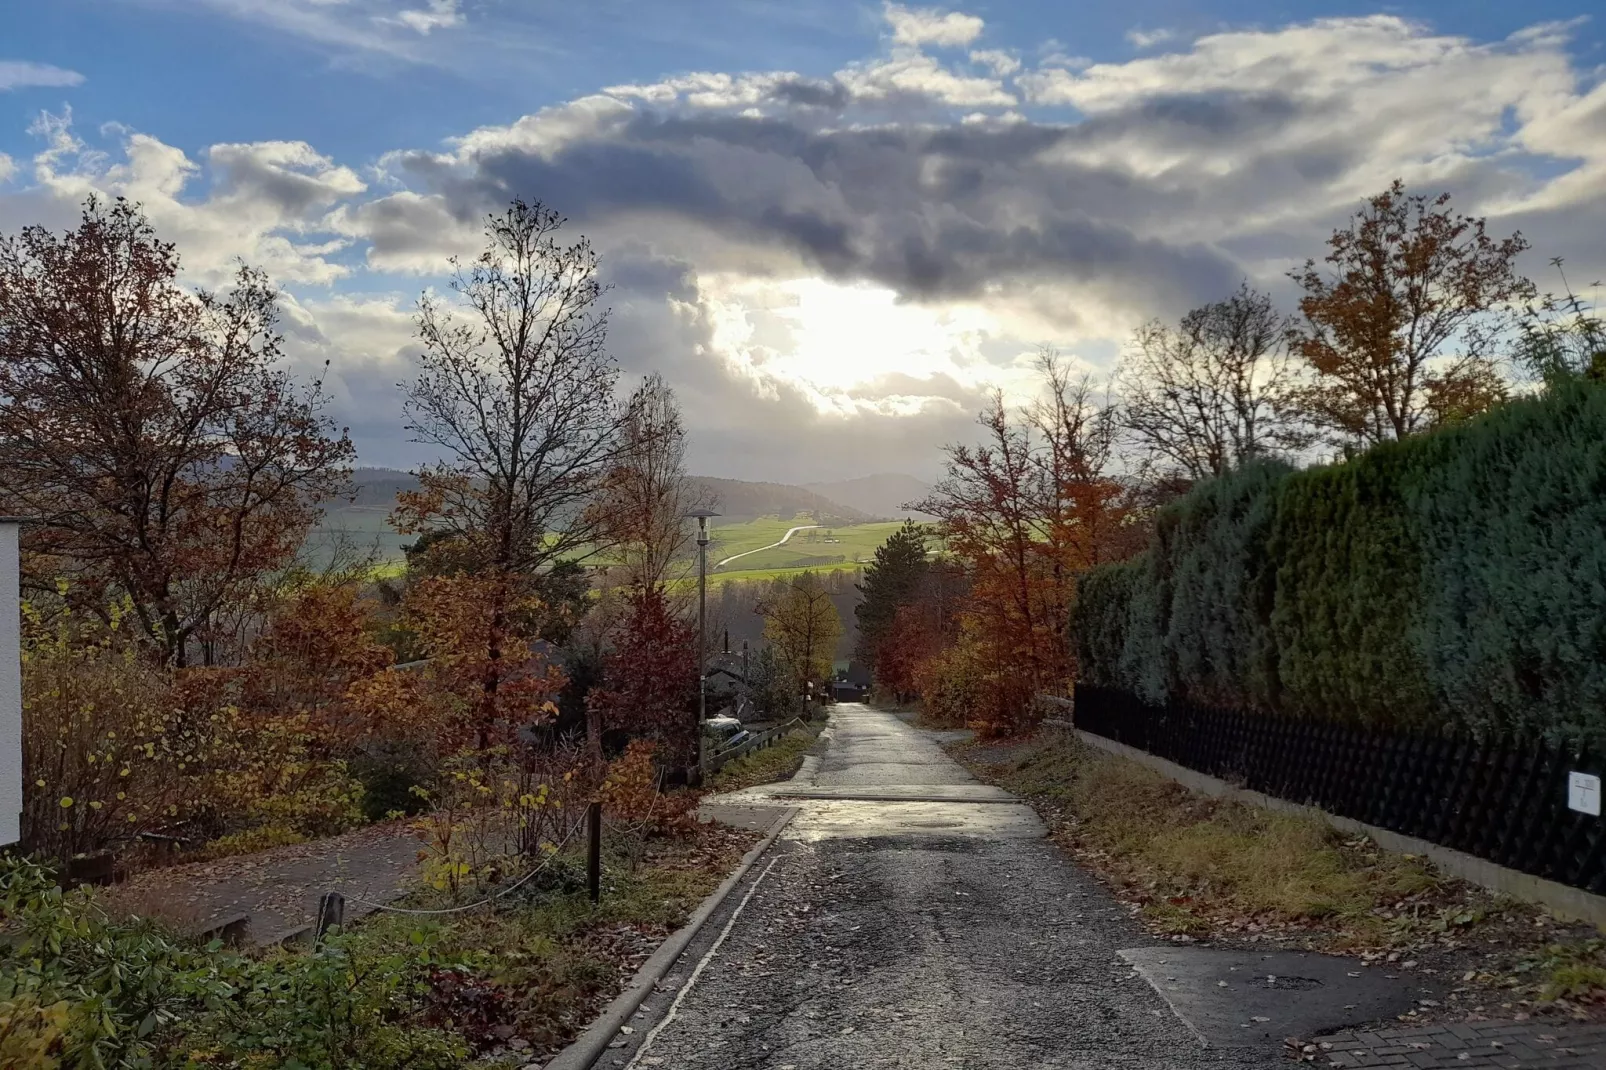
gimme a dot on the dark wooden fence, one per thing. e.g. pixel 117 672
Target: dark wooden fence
pixel 1505 800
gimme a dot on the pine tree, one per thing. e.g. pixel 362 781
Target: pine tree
pixel 891 580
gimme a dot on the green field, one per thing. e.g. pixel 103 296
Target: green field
pixel 362 528
pixel 823 549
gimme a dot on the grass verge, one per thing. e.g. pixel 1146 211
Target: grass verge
pixel 542 964
pixel 493 987
pixel 776 762
pixel 1195 868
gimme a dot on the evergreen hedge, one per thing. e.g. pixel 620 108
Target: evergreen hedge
pixel 1452 580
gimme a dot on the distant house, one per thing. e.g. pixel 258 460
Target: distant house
pixel 729 691
pixel 852 682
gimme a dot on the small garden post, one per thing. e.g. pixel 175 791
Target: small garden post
pixel 10 684
pixel 594 851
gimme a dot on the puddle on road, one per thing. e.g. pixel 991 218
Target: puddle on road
pixel 820 819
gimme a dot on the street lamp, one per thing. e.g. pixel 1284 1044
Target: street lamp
pixel 702 516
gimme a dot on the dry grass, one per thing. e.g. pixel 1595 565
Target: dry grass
pixel 1200 868
pixel 776 762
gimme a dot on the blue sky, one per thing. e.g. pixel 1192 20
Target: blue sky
pixel 833 225
pixel 200 74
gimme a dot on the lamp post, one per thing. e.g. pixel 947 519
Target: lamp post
pixel 702 516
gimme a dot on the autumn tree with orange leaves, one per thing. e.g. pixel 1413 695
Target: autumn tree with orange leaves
pixel 1025 513
pixel 649 687
pixel 1402 326
pixel 151 431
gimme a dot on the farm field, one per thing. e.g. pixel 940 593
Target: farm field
pixel 363 528
pixel 822 547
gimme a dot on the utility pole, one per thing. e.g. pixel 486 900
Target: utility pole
pixel 702 516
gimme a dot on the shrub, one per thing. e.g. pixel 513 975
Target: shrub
pixel 969 684
pixel 1454 579
pixel 88 990
pixel 107 752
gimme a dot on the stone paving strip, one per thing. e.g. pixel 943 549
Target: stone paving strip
pixel 1474 1044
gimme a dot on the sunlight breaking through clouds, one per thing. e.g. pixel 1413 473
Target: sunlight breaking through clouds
pixel 889 240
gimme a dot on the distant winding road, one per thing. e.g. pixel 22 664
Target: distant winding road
pixel 771 546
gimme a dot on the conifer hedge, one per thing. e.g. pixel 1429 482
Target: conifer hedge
pixel 1452 580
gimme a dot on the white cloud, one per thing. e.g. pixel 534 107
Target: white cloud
pixel 915 74
pixel 261 208
pixel 18 74
pixel 1001 63
pixel 1142 38
pixel 439 15
pixel 847 261
pixel 8 167
pixel 551 129
pixel 384 29
pixel 927 26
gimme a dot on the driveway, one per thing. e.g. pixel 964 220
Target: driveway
pixel 911 917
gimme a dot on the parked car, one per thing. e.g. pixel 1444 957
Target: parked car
pixel 724 732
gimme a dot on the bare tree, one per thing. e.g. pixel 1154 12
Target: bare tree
pixel 640 514
pixel 1402 328
pixel 1077 502
pixel 166 455
pixel 1202 397
pixel 517 388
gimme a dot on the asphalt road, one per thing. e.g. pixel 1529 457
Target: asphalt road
pixel 910 917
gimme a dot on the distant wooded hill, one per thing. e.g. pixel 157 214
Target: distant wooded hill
pixel 883 496
pixel 361 521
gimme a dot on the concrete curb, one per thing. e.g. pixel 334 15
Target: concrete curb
pixel 591 1044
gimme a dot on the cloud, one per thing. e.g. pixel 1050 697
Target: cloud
pixel 8 167
pixel 19 74
pixel 383 30
pixel 926 26
pixel 1142 38
pixel 1001 63
pixel 264 204
pixel 912 75
pixel 440 14
pixel 839 266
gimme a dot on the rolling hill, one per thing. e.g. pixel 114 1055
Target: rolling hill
pixel 882 496
pixel 360 521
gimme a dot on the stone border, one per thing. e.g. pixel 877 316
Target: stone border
pixel 1562 900
pixel 591 1044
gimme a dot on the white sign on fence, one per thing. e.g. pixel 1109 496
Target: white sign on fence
pixel 10 687
pixel 1583 793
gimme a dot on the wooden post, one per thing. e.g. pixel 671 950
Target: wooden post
pixel 10 684
pixel 594 851
pixel 331 914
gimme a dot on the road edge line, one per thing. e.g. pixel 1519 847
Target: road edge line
pixel 590 1045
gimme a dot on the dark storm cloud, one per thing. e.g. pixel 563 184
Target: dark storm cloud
pixel 933 213
pixel 810 92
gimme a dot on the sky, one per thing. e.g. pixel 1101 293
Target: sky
pixel 833 226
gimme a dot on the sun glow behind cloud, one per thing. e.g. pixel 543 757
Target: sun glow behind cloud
pixel 842 343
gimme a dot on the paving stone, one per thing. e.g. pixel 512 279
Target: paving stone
pixel 1518 1045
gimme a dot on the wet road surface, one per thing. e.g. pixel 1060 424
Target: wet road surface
pixel 910 917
